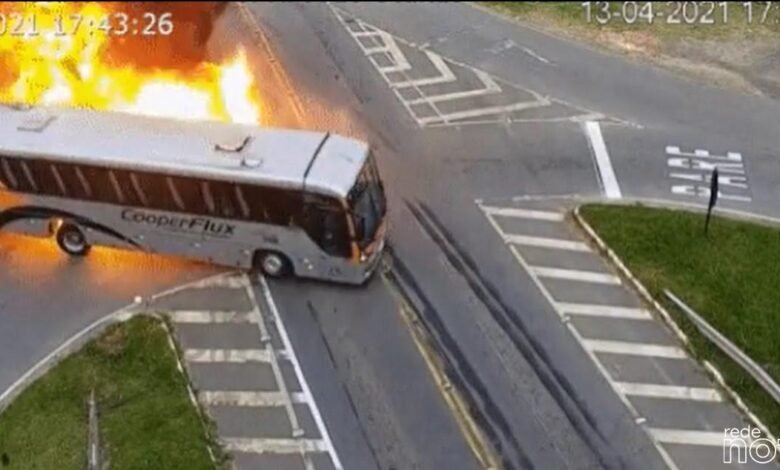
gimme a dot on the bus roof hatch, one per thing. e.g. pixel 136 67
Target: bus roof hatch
pixel 36 122
pixel 231 144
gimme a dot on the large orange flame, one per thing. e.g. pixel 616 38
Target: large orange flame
pixel 161 75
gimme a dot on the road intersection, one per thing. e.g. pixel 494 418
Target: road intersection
pixel 556 360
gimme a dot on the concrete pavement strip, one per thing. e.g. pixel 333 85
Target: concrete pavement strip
pixel 246 376
pixel 642 358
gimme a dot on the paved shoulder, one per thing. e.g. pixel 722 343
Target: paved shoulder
pixel 670 396
pixel 247 375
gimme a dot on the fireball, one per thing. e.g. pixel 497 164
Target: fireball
pixel 57 58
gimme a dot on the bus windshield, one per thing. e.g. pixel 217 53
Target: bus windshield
pixel 367 203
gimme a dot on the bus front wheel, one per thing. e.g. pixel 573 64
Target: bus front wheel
pixel 72 241
pixel 272 264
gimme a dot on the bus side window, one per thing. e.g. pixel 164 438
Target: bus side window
pixel 7 177
pixel 99 180
pixel 256 198
pixel 75 186
pixel 156 190
pixel 41 172
pixel 14 171
pixel 127 188
pixel 225 201
pixel 190 194
pixel 284 206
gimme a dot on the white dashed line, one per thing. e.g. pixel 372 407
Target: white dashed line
pixel 229 355
pixel 196 316
pixel 543 242
pixel 607 311
pixel 254 399
pixel 524 213
pixel 697 438
pixel 576 275
pixel 669 391
pixel 274 446
pixel 536 56
pixel 606 172
pixel 633 349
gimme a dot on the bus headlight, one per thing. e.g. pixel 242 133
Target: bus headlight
pixel 363 257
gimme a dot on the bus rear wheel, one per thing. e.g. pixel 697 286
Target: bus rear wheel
pixel 272 264
pixel 72 241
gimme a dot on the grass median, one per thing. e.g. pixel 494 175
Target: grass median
pixel 731 277
pixel 146 418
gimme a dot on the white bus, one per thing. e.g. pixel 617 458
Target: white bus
pixel 285 202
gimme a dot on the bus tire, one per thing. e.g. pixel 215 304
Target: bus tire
pixel 272 264
pixel 72 241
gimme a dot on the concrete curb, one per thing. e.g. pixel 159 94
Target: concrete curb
pixel 73 344
pixel 645 294
pixel 77 341
pixel 202 414
pixel 94 330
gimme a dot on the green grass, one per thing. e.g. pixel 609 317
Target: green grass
pixel 146 418
pixel 572 15
pixel 731 278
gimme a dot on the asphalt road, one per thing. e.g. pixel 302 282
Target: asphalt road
pixel 526 138
pixel 539 399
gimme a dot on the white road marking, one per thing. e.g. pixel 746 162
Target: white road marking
pixel 669 391
pixel 536 56
pixel 494 114
pixel 546 293
pixel 252 399
pixel 544 242
pixel 398 57
pixel 576 275
pixel 490 87
pixel 486 111
pixel 729 157
pixel 704 193
pixel 305 390
pixel 696 438
pixel 362 34
pixel 634 349
pixel 273 360
pixel 702 165
pixel 230 355
pixel 274 446
pixel 445 74
pixel 524 213
pixel 606 173
pixel 696 167
pixel 225 281
pixel 203 316
pixel 606 311
pixel 723 180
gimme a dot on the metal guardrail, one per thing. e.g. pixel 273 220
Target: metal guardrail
pixel 737 355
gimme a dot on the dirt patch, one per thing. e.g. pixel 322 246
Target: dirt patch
pixel 113 342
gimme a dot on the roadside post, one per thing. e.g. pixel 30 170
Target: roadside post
pixel 713 198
